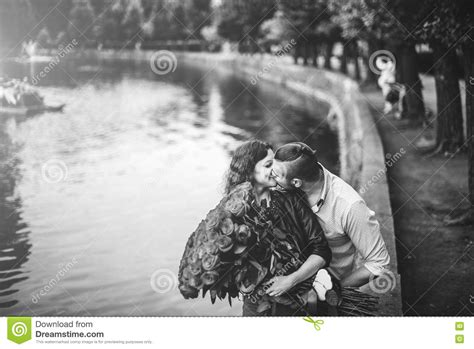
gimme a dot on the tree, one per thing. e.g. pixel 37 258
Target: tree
pixel 312 29
pixel 108 25
pixel 468 53
pixel 330 33
pixel 357 19
pixel 16 22
pixel 275 31
pixel 451 26
pixel 54 20
pixel 240 21
pixel 132 21
pixel 81 19
pixel 443 30
pixel 389 25
pixel 404 18
pixel 198 15
pixel 159 22
pixel 178 29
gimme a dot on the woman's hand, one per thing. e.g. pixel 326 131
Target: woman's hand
pixel 280 285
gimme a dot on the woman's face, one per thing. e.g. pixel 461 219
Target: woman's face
pixel 262 173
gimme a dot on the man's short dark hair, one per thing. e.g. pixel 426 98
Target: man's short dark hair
pixel 301 161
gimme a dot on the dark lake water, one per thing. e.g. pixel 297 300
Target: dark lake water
pixel 97 202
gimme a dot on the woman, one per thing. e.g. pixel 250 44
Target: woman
pixel 292 218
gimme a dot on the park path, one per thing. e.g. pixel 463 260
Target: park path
pixel 435 261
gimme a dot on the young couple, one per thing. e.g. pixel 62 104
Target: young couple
pixel 338 230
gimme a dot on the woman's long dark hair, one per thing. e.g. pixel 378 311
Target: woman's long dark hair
pixel 243 162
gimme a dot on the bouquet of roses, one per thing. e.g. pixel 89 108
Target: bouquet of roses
pixel 217 258
pixel 237 248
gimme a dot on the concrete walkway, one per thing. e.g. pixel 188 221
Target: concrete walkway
pixel 435 262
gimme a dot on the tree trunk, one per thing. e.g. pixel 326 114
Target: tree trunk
pixel 315 55
pixel 306 52
pixel 343 67
pixel 357 68
pixel 397 50
pixel 355 55
pixel 328 55
pixel 371 76
pixel 296 53
pixel 468 51
pixel 449 132
pixel 410 78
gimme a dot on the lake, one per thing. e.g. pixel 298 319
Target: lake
pixel 97 202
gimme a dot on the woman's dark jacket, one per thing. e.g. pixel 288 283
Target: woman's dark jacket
pixel 292 214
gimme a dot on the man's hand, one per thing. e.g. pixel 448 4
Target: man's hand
pixel 280 285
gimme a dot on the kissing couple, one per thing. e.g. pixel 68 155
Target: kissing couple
pixel 288 236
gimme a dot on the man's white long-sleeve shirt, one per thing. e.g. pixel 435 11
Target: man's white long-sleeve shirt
pixel 352 231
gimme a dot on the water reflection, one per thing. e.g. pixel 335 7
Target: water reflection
pixel 96 199
pixel 14 244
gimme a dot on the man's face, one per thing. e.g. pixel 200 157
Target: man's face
pixel 279 172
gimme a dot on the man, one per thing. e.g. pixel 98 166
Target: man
pixel 349 225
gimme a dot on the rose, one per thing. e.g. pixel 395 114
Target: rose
pixel 195 268
pixel 227 227
pixel 210 262
pixel 210 277
pixel 201 230
pixel 243 234
pixel 201 251
pixel 211 248
pixel 236 205
pixel 202 238
pixel 193 258
pixel 224 243
pixel 213 219
pixel 212 234
pixel 196 282
pixel 187 274
pixel 188 291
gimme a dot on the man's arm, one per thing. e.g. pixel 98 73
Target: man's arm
pixel 364 232
pixel 281 284
pixel 356 278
